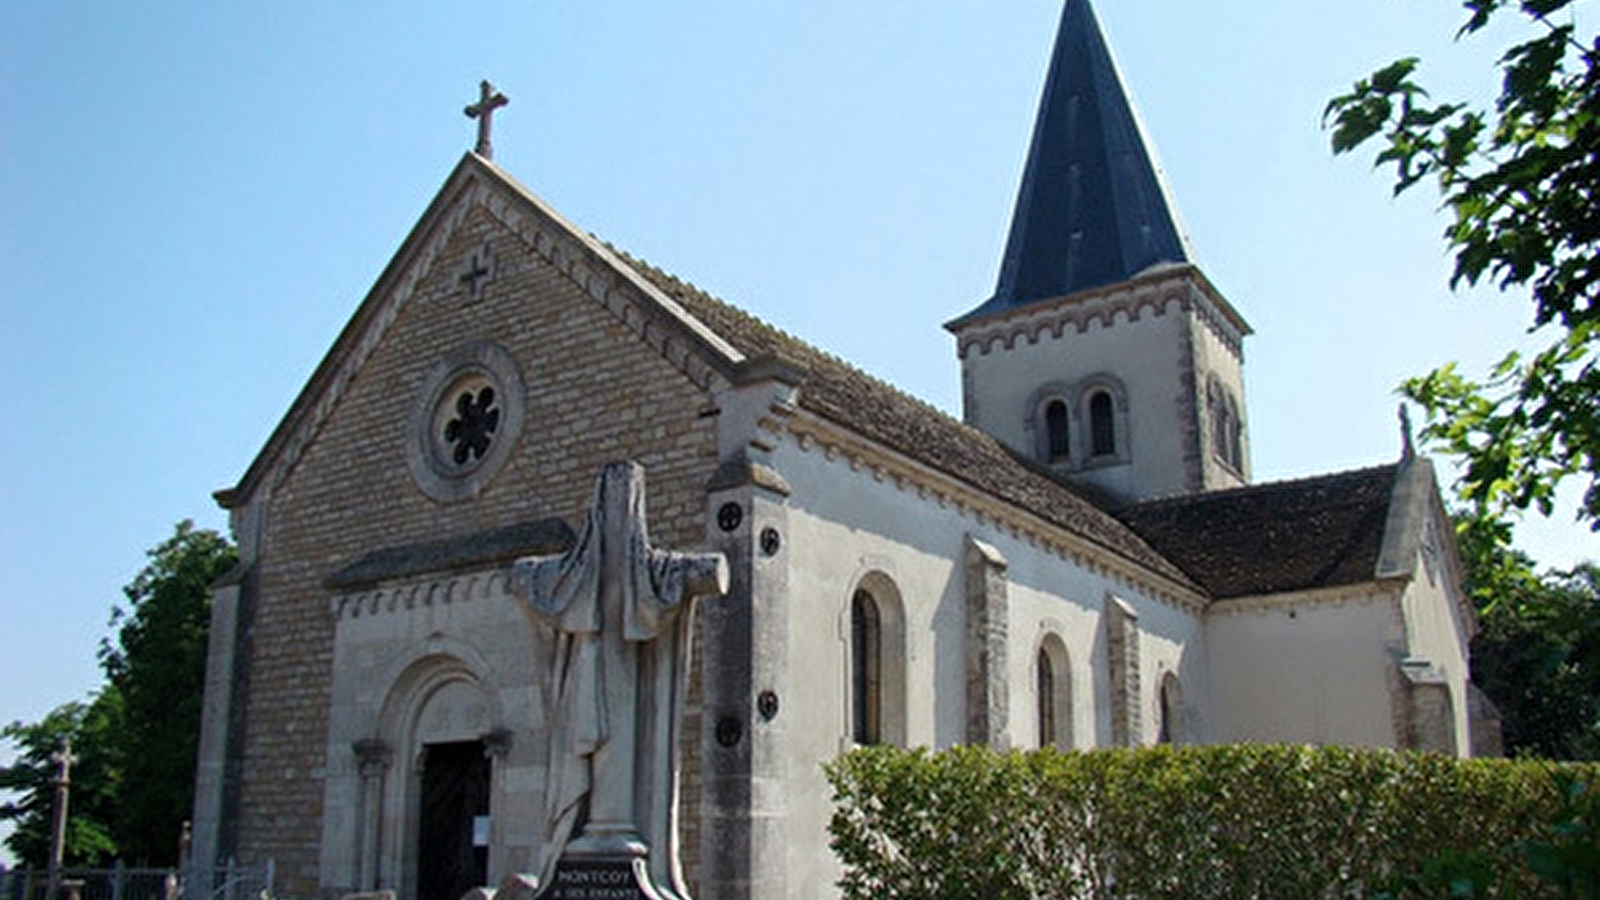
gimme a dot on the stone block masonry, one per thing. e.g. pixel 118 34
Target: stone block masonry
pixel 987 628
pixel 588 381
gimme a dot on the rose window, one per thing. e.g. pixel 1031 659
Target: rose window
pixel 467 421
pixel 469 433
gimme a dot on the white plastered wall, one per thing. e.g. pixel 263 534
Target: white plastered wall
pixel 1302 669
pixel 1438 634
pixel 847 523
pixel 1049 594
pixel 843 526
pixel 1172 640
pixel 1146 355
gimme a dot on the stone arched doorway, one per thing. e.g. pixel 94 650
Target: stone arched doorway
pixel 435 695
pixel 440 718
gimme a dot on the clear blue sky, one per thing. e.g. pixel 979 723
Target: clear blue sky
pixel 194 198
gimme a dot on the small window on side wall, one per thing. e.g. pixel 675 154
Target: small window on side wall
pixel 866 666
pixel 873 626
pixel 1047 700
pixel 1053 694
pixel 1170 708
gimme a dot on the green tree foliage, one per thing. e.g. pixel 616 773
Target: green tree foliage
pixel 157 664
pixel 95 780
pixel 1537 651
pixel 1520 180
pixel 133 784
pixel 1541 674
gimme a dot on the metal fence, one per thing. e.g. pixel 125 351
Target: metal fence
pixel 230 882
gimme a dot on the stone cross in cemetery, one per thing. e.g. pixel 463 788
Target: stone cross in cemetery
pixel 63 759
pixel 489 100
pixel 618 609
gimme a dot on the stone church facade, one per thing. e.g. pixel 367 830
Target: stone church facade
pixel 1080 562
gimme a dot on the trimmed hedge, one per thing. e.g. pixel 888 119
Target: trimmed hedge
pixel 1227 822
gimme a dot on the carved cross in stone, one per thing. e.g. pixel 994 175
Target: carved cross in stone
pixel 616 606
pixel 489 100
pixel 478 271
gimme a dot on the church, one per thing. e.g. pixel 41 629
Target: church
pixel 1081 560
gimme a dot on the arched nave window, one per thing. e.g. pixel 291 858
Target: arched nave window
pixel 877 662
pixel 1170 709
pixel 1053 694
pixel 866 669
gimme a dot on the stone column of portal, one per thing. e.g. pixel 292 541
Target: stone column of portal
pixel 372 762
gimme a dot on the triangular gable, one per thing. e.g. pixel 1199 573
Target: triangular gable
pixel 1418 532
pixel 702 355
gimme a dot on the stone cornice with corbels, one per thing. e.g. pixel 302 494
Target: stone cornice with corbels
pixel 1183 287
pixel 811 433
pixel 405 597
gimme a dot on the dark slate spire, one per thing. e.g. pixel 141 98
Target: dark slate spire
pixel 1093 209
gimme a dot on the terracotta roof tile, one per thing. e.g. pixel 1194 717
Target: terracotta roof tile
pixel 1271 538
pixel 841 393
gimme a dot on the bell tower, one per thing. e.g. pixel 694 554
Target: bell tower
pixel 1104 353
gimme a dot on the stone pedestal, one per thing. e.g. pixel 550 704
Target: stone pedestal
pixel 607 877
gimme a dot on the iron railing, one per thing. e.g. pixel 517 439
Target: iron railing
pixel 228 882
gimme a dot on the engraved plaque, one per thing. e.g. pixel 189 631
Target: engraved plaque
pixel 598 879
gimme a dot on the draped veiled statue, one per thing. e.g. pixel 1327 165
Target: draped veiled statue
pixel 618 609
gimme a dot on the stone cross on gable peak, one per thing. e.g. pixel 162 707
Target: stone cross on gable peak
pixel 489 100
pixel 1407 442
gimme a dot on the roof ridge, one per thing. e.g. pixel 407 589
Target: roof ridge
pixel 1259 487
pixel 800 342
